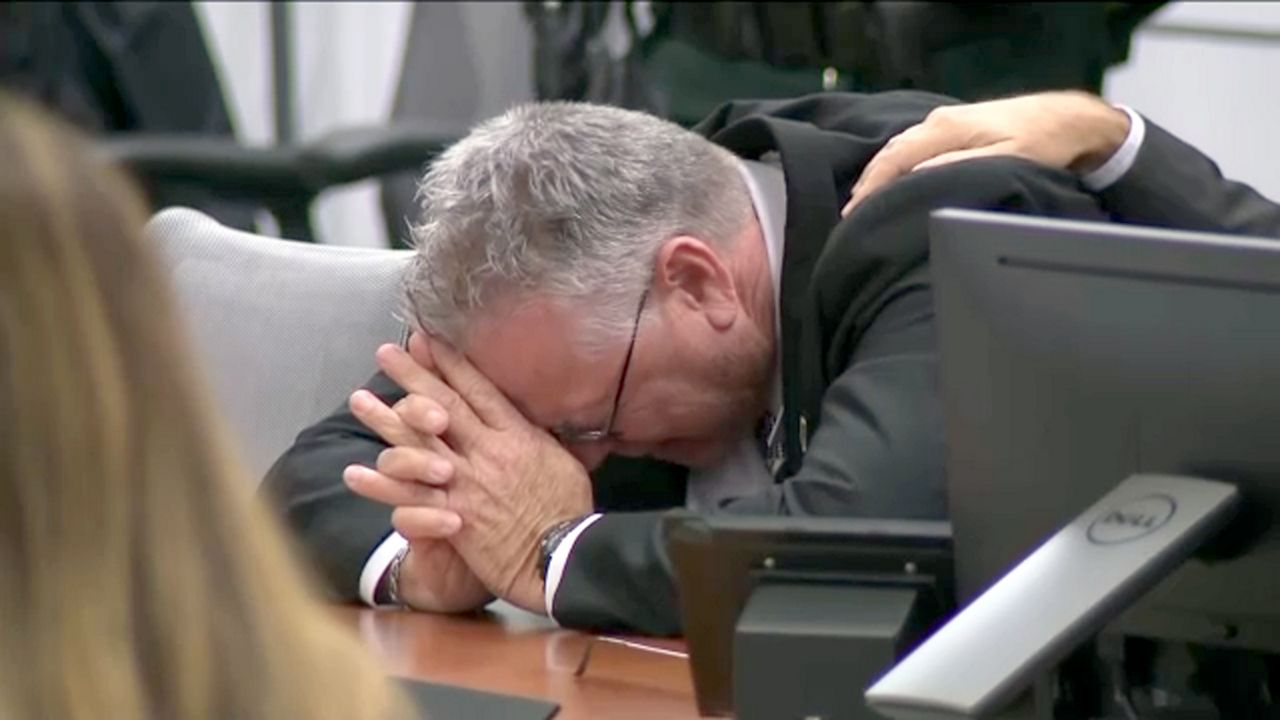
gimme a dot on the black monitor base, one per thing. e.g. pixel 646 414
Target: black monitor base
pixel 809 650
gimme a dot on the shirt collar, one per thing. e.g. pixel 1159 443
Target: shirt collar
pixel 768 190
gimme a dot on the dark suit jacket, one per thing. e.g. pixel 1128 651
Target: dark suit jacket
pixel 863 430
pixel 1172 184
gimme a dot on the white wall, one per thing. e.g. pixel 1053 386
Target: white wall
pixel 347 59
pixel 346 62
pixel 239 41
pixel 1220 94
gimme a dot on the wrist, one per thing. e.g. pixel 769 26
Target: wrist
pixel 551 539
pixel 560 557
pixel 408 585
pixel 1100 129
pixel 391 589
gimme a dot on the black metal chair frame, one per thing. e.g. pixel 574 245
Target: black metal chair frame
pixel 285 180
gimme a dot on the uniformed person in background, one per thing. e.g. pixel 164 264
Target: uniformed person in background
pixel 682 59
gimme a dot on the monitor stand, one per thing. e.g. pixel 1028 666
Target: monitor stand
pixel 1062 594
pixel 809 649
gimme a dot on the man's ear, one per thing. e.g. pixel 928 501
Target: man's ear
pixel 690 272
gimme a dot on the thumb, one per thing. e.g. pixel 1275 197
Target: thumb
pixel 956 156
pixel 849 206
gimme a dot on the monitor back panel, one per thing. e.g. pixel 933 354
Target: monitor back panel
pixel 1074 355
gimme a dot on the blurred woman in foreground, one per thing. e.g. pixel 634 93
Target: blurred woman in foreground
pixel 138 579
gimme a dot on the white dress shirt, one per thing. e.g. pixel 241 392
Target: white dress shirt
pixel 1122 160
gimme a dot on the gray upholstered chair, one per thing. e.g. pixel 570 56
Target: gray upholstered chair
pixel 285 331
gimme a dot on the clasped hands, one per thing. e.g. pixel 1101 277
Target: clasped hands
pixel 473 483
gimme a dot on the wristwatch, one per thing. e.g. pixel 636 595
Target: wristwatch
pixel 393 579
pixel 551 539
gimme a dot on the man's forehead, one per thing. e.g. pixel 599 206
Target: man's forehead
pixel 527 350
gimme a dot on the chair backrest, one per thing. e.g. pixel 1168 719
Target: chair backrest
pixel 284 330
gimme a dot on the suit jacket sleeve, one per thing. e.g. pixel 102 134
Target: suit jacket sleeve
pixel 337 528
pixel 1174 185
pixel 878 449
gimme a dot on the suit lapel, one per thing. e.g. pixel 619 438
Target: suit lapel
pixel 812 212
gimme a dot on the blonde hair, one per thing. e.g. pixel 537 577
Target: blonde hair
pixel 138 577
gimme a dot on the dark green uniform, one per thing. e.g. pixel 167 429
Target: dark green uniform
pixel 682 59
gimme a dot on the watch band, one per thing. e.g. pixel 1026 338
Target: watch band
pixel 393 578
pixel 551 539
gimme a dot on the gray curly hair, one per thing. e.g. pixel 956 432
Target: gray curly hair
pixel 570 201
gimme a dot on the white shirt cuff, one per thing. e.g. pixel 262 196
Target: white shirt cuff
pixel 376 566
pixel 1122 159
pixel 559 558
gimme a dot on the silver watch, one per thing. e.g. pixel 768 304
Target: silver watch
pixel 393 578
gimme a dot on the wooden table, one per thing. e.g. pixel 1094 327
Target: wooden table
pixel 507 650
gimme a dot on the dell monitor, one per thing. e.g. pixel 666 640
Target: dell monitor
pixel 1076 357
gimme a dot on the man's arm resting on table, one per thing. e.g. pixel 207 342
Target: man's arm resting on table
pixel 350 538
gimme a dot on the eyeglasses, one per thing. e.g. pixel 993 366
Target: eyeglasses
pixel 571 435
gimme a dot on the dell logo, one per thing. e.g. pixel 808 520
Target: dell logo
pixel 1132 520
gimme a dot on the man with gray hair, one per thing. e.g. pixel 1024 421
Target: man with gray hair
pixel 615 316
